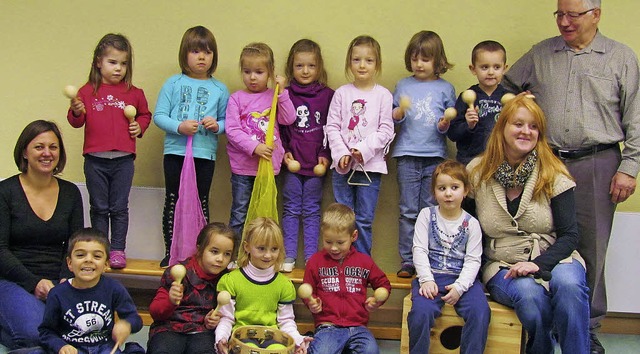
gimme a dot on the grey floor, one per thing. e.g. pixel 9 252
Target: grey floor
pixel 613 343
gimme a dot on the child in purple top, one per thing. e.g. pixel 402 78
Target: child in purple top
pixel 247 118
pixel 305 142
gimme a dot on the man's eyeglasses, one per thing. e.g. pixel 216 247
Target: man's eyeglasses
pixel 571 15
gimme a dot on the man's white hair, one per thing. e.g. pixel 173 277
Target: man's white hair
pixel 590 4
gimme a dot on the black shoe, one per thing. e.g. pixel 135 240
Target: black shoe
pixel 407 271
pixel 164 263
pixel 596 346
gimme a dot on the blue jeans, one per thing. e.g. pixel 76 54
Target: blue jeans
pixel 337 340
pixel 363 201
pixel 414 185
pixel 301 197
pixel 472 307
pixel 98 348
pixel 20 315
pixel 170 342
pixel 563 309
pixel 241 188
pixel 109 183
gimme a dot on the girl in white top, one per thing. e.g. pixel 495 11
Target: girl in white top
pixel 447 247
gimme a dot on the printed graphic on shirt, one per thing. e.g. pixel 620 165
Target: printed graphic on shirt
pixel 255 124
pixel 302 116
pixel 303 125
pixel 422 111
pixel 90 321
pixel 199 109
pixel 358 109
pixel 488 109
pixel 99 104
pixel 355 279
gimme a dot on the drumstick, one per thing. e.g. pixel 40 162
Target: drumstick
pixel 319 170
pixel 305 291
pixel 450 113
pixel 71 92
pixel 115 347
pixel 469 97
pixel 178 273
pixel 130 112
pixel 223 298
pixel 380 294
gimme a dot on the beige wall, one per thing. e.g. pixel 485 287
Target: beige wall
pixel 48 44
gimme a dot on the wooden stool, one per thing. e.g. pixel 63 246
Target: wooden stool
pixel 505 330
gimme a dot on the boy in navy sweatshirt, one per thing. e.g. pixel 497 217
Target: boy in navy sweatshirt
pixel 80 312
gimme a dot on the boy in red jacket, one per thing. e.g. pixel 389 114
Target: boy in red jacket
pixel 339 276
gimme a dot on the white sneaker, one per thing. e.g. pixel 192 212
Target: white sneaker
pixel 288 265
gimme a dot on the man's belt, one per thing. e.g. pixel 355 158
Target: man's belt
pixel 580 153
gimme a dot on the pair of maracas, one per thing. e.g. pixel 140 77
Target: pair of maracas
pixel 305 291
pixel 72 92
pixel 468 97
pixel 318 170
pixel 449 113
pixel 178 272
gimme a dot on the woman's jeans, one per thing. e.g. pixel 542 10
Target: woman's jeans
pixel 563 310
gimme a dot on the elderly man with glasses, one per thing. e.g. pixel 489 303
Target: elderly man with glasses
pixel 587 85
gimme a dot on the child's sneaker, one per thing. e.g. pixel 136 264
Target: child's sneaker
pixel 288 265
pixel 117 259
pixel 407 271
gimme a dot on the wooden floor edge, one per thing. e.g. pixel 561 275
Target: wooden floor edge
pixel 621 325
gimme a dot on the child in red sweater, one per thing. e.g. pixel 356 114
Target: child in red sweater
pixel 339 276
pixel 183 314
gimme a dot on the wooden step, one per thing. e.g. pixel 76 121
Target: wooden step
pixel 149 267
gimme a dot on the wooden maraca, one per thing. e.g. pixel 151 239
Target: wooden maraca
pixel 293 165
pixel 224 298
pixel 506 98
pixel 380 294
pixel 178 272
pixel 450 113
pixel 319 170
pixel 469 97
pixel 405 103
pixel 305 291
pixel 130 112
pixel 71 92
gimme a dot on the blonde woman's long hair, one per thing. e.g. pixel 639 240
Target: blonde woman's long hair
pixel 549 166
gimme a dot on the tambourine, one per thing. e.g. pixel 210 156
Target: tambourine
pixel 260 340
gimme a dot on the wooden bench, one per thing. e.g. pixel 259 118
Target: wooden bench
pixel 146 267
pixel 505 330
pixel 504 337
